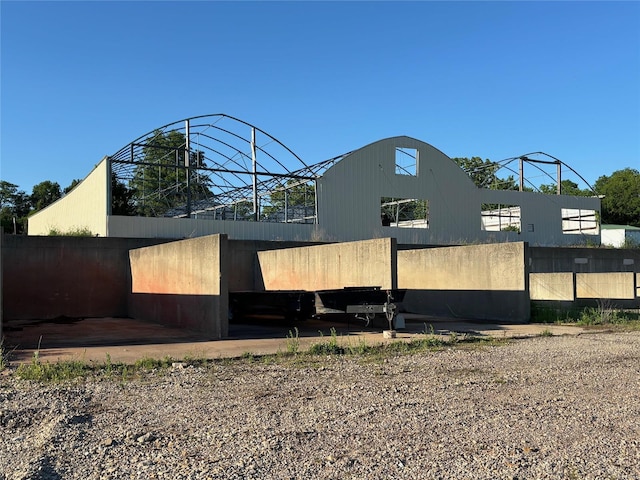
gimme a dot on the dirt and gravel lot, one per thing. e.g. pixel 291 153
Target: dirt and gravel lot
pixel 542 407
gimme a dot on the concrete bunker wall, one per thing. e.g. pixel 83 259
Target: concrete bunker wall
pixel 369 263
pixel 182 284
pixel 49 277
pixel 483 282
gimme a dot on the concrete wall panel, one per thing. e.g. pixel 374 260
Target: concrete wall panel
pixel 333 266
pixel 474 267
pixel 551 286
pixel 182 284
pixel 49 277
pixel 486 282
pixel 618 285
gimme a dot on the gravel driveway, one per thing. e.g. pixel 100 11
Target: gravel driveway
pixel 545 407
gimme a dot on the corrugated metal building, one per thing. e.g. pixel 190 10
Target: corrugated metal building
pixel 397 187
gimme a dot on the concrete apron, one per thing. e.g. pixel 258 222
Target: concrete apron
pixel 126 340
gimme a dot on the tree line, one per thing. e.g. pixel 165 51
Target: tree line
pixel 158 186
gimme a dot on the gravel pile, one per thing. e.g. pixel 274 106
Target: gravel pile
pixel 546 407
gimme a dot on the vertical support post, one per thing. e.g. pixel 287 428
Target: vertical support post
pixel 187 164
pixel 254 163
pixel 109 187
pixel 286 204
pixel 521 181
pixel 558 177
pixel 315 200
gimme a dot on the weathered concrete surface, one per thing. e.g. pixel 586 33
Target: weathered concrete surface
pixel 605 285
pixel 127 340
pixel 324 267
pixel 182 284
pixel 583 260
pixel 487 282
pixel 48 277
pixel 551 286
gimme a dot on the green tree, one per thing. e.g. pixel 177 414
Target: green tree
pixel 297 195
pixel 567 187
pixel 44 194
pixel 621 202
pixel 14 208
pixel 159 183
pixel 72 185
pixel 122 202
pixel 484 173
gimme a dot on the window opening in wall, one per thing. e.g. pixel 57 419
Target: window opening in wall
pixel 406 161
pixel 577 221
pixel 404 212
pixel 498 217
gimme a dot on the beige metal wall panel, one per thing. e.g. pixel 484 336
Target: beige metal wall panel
pixel 150 227
pixel 551 286
pixel 85 207
pixel 541 217
pixel 335 266
pixel 618 285
pixel 350 192
pixel 476 267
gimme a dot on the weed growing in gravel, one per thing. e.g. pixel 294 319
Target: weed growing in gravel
pixel 293 341
pixel 604 314
pixel 4 356
pixel 546 333
pixel 328 348
pixel 52 372
pixel 148 363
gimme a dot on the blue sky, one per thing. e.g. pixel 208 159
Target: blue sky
pixel 79 80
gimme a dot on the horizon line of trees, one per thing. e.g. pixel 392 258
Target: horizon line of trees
pixel 620 190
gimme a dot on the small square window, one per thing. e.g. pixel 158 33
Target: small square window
pixel 406 161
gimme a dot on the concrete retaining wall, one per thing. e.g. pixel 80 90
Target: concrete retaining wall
pixel 182 284
pixel 485 282
pixel 551 286
pixel 49 277
pixel 605 286
pixel 324 267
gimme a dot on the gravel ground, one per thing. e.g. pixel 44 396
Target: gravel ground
pixel 546 407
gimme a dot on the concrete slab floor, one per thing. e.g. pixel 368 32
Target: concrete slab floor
pixel 127 340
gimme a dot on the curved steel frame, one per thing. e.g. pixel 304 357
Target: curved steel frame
pixel 243 165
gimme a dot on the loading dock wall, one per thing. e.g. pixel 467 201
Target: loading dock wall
pixel 484 282
pixel 182 284
pixel 367 263
pixel 49 277
pixel 243 257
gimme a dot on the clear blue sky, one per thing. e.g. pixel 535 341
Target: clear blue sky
pixel 80 80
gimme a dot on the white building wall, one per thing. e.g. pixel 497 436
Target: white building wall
pixel 85 207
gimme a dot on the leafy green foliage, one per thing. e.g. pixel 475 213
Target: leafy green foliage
pixel 484 173
pixel 567 187
pixel 44 194
pixel 297 197
pixel 74 232
pixel 159 183
pixel 621 202
pixel 15 205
